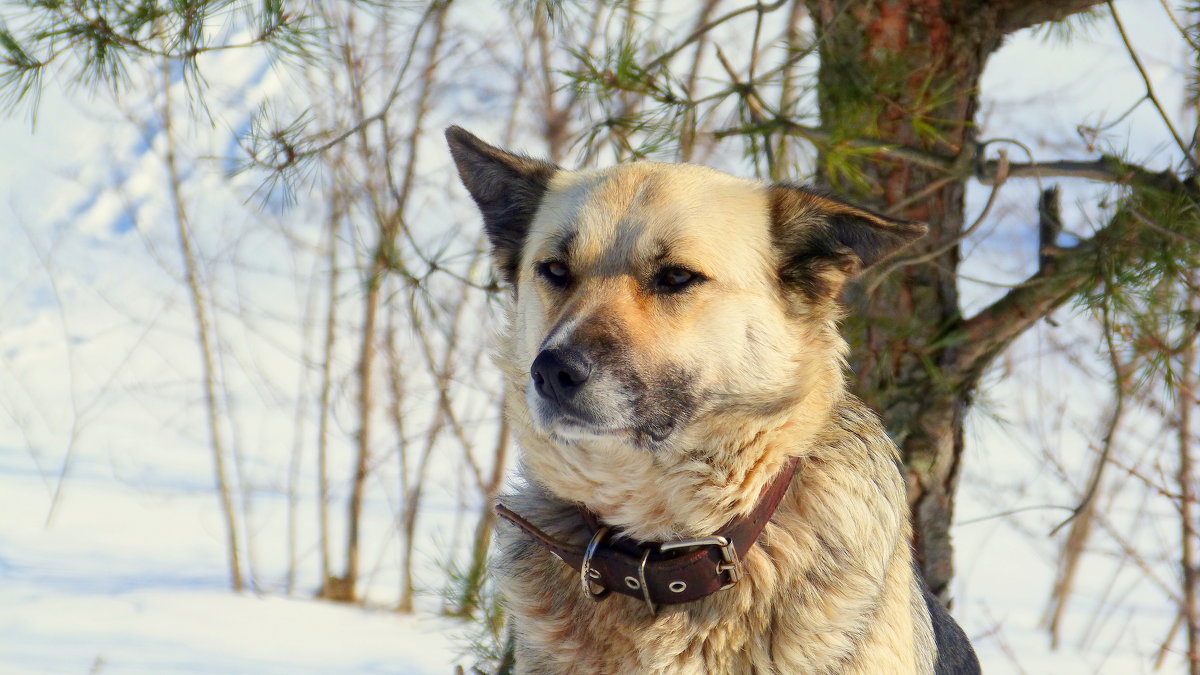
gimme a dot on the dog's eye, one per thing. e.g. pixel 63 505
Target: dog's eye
pixel 675 279
pixel 555 272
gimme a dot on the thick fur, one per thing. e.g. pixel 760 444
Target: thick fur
pixel 692 397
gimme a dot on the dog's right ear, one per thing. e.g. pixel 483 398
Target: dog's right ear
pixel 508 189
pixel 824 242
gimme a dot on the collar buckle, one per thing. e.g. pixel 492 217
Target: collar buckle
pixel 730 564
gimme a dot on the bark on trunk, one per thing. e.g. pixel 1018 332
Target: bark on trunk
pixel 907 72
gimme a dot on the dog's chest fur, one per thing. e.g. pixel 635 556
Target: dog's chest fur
pixel 829 589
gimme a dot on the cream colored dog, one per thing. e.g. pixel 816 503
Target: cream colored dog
pixel 671 349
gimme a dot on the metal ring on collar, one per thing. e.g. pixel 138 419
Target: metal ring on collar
pixel 585 568
pixel 644 585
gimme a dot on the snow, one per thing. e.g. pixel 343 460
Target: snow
pixel 127 580
pixel 111 546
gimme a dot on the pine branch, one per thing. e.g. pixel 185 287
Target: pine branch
pixel 106 37
pixel 1147 247
pixel 1063 274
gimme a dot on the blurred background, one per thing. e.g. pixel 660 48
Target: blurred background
pixel 248 419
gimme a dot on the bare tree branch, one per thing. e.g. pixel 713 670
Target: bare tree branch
pixel 992 329
pixel 1106 168
pixel 1018 14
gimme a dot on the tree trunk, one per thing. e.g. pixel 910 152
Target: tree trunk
pixel 1186 398
pixel 205 338
pixel 907 72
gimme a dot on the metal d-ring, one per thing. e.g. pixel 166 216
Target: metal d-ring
pixel 585 568
pixel 645 586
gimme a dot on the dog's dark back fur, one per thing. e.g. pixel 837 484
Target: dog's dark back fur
pixel 955 656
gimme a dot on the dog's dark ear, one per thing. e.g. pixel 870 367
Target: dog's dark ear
pixel 825 242
pixel 507 187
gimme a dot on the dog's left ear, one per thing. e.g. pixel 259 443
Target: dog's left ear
pixel 825 242
pixel 507 188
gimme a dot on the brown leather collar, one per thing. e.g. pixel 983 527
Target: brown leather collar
pixel 669 572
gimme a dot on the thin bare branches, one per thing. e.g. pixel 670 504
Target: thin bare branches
pixel 704 28
pixel 1081 517
pixel 1137 62
pixel 389 222
pixel 1001 176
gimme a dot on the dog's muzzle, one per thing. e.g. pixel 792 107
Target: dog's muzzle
pixel 558 374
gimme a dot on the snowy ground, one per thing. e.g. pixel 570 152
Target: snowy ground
pixel 123 571
pixel 132 580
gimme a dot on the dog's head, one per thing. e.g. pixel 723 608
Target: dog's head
pixel 652 299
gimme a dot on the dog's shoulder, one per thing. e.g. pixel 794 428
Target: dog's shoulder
pixel 955 656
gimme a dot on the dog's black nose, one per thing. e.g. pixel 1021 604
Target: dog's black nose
pixel 558 373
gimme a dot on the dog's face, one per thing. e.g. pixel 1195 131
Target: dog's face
pixel 629 282
pixel 651 298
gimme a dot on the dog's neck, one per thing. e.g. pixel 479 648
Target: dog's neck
pixel 689 492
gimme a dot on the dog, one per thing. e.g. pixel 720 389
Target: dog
pixel 699 492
